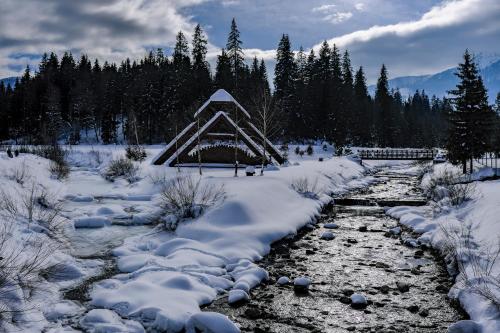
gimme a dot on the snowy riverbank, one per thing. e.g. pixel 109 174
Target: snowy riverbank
pixel 468 235
pixel 166 276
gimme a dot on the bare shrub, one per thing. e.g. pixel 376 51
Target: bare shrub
pixel 158 178
pixel 475 264
pixel 36 206
pixel 452 185
pixel 136 153
pixel 186 196
pixel 59 170
pixel 306 187
pixel 121 167
pixel 20 174
pixel 21 264
pixel 96 154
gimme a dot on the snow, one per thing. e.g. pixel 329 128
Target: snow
pixel 91 222
pixel 302 281
pixel 221 95
pixel 465 326
pixel 327 235
pixel 210 322
pixel 358 299
pixel 237 295
pixel 283 280
pixel 166 276
pixel 471 231
pixel 330 226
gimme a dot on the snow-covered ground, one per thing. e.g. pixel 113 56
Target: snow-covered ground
pixel 469 236
pixel 165 276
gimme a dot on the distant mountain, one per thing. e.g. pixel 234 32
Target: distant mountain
pixel 9 80
pixel 438 84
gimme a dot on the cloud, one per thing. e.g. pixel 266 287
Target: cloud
pixel 106 29
pixel 338 17
pixel 323 8
pixel 359 6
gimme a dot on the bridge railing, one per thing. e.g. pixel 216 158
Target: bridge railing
pixel 396 154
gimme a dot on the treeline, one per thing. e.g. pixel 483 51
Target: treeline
pixel 316 96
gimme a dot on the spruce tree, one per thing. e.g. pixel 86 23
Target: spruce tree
pixel 201 80
pixel 236 57
pixel 284 77
pixel 470 122
pixel 223 74
pixel 362 127
pixel 383 104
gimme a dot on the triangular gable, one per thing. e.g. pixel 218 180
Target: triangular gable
pixel 275 153
pixel 161 158
pixel 256 149
pixel 221 96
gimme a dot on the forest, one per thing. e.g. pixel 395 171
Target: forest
pixel 316 96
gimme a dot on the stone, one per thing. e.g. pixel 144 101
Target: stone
pixel 327 235
pixel 283 280
pixel 413 308
pixel 358 301
pixel 424 313
pixel 384 289
pixel 363 228
pixel 465 326
pixel 403 286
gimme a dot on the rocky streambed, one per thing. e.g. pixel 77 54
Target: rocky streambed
pixel 368 275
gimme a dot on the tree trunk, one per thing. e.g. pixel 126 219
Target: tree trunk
pixel 471 165
pixel 464 167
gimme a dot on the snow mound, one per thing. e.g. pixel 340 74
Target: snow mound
pixel 302 281
pixel 330 226
pixel 107 321
pixel 210 322
pixel 358 299
pixel 283 280
pixel 236 296
pixel 91 222
pixel 465 326
pixel 327 235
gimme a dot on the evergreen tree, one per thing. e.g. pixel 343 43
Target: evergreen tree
pixel 470 122
pixel 284 76
pixel 236 57
pixel 201 81
pixel 362 127
pixel 383 104
pixel 223 75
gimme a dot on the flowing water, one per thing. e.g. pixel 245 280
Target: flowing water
pixel 406 287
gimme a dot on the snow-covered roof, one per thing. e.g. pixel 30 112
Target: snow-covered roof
pixel 221 96
pixel 164 150
pixel 204 128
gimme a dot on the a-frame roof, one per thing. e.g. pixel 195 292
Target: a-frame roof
pixel 221 96
pixel 217 117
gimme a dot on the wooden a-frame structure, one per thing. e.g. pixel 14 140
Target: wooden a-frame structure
pixel 212 135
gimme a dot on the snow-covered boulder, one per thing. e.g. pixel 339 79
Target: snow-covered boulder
pixel 301 283
pixel 103 320
pixel 330 226
pixel 395 231
pixel 250 170
pixel 465 326
pixel 283 280
pixel 237 295
pixel 91 222
pixel 327 235
pixel 358 301
pixel 210 322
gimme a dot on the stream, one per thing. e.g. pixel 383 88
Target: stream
pixel 406 287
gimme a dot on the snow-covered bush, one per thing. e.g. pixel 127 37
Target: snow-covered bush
pixel 36 206
pixel 305 187
pixel 59 170
pixel 22 263
pixel 136 153
pixel 186 196
pixel 121 167
pixel 450 185
pixel 475 268
pixel 20 174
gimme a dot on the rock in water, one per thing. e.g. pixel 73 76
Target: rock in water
pixel 330 226
pixel 283 280
pixel 301 284
pixel 465 326
pixel 403 286
pixel 237 296
pixel 358 301
pixel 210 322
pixel 327 235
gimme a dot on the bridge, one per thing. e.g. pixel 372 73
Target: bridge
pixel 396 154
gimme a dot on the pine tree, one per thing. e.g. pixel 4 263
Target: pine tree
pixel 236 57
pixel 362 128
pixel 223 75
pixel 201 80
pixel 470 122
pixel 284 77
pixel 383 104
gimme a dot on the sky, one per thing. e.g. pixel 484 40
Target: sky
pixel 410 37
